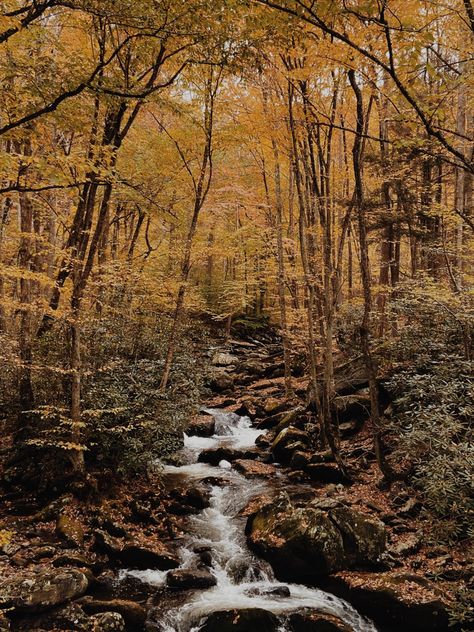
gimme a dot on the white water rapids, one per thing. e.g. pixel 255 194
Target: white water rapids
pixel 243 581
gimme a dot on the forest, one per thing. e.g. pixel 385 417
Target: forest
pixel 236 315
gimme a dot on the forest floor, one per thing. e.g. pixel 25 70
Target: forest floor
pixel 141 520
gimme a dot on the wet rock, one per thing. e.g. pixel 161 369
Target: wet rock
pixel 70 530
pixel 241 621
pixel 214 456
pixel 395 601
pixel 303 543
pixel 325 473
pixel 107 622
pixel 188 579
pixel 202 426
pixel 205 555
pixel 288 441
pixel 131 612
pixel 189 500
pixel 141 557
pixel 254 469
pixel 308 620
pixel 38 589
pixel 278 591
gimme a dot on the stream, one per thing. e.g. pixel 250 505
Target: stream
pixel 243 581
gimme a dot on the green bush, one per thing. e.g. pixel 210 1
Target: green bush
pixel 432 423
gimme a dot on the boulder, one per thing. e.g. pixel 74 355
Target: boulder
pixel 131 612
pixel 395 601
pixel 70 530
pixel 288 441
pixel 221 381
pixel 214 456
pixel 41 588
pixel 106 543
pixel 308 620
pixel 304 543
pixel 356 406
pixel 241 621
pixel 142 557
pixel 202 426
pixel 254 469
pixel 189 500
pixel 190 579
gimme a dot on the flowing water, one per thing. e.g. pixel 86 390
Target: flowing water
pixel 243 581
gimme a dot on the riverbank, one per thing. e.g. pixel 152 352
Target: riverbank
pixel 70 554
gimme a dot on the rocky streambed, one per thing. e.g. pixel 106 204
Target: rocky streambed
pixel 252 529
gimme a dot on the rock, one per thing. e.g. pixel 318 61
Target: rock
pixel 141 557
pixel 322 457
pixel 131 612
pixel 305 543
pixel 300 459
pixel 135 556
pixel 406 546
pixel 214 456
pixel 352 407
pixel 395 601
pixel 107 622
pixel 278 591
pixel 287 442
pixel 325 473
pixel 142 512
pixel 41 588
pixel 189 500
pixel 69 617
pixel 247 620
pixel 70 530
pixel 349 428
pixel 107 543
pixel 221 381
pixel 254 469
pixel 205 554
pixel 252 367
pixel 202 426
pixel 4 623
pixel 190 579
pixel 273 405
pixel 410 508
pixel 308 620
pixel 73 559
pixel 224 359
pixel 43 552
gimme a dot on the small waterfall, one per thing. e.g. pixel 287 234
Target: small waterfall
pixel 243 581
